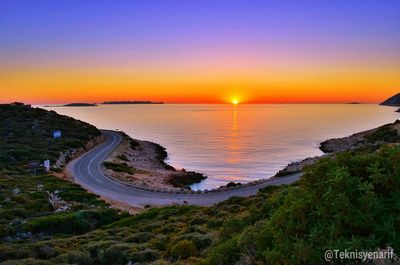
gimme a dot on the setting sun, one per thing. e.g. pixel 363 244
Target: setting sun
pixel 235 101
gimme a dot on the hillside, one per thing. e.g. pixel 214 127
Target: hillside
pixel 392 101
pixel 26 134
pixel 347 201
pixel 34 206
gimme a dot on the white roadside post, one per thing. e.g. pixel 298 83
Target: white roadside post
pixel 46 165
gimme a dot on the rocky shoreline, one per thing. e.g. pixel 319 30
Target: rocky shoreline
pixel 386 134
pixel 143 163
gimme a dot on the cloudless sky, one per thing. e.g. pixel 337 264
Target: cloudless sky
pixel 199 51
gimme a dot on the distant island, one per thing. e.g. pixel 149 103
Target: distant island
pixel 80 105
pixel 393 101
pixel 353 102
pixel 131 102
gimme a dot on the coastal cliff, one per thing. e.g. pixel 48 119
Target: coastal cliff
pixel 392 101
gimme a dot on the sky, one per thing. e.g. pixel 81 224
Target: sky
pixel 199 51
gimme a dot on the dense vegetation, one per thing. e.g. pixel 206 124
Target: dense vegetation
pixel 36 207
pixel 349 201
pixel 119 167
pixel 26 134
pixel 384 133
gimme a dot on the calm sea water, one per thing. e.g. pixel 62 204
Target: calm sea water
pixel 241 143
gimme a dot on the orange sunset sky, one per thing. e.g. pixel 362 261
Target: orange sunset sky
pixel 267 52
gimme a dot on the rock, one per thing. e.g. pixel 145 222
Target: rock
pixel 58 204
pixel 16 191
pixel 392 101
pixel 297 166
pixel 231 185
pixel 338 145
pixel 24 235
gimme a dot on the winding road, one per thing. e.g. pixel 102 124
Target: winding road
pixel 87 171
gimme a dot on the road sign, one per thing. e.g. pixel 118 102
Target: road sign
pixel 57 134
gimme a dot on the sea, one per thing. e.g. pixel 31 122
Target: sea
pixel 239 143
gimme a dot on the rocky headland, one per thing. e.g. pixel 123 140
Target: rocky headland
pixel 142 163
pixel 393 101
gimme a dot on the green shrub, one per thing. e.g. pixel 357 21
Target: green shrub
pixel 140 237
pixel 95 247
pixel 74 257
pixel 117 254
pixel 72 223
pixel 123 157
pixel 384 134
pixel 231 227
pixel 119 167
pixel 227 252
pixel 200 241
pixel 183 249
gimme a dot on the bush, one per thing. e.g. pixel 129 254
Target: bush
pixel 119 167
pixel 199 240
pixel 141 237
pixel 72 223
pixel 384 134
pixel 183 249
pixel 74 257
pixel 227 252
pixel 123 157
pixel 117 254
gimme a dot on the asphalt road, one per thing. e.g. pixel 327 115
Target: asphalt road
pixel 87 172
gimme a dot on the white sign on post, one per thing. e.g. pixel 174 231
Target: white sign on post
pixel 46 165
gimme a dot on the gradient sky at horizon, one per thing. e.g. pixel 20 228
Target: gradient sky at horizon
pixel 199 51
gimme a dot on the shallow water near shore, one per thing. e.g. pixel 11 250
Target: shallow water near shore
pixel 235 143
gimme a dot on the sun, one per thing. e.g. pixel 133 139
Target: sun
pixel 235 101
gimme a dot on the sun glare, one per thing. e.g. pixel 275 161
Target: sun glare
pixel 235 101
